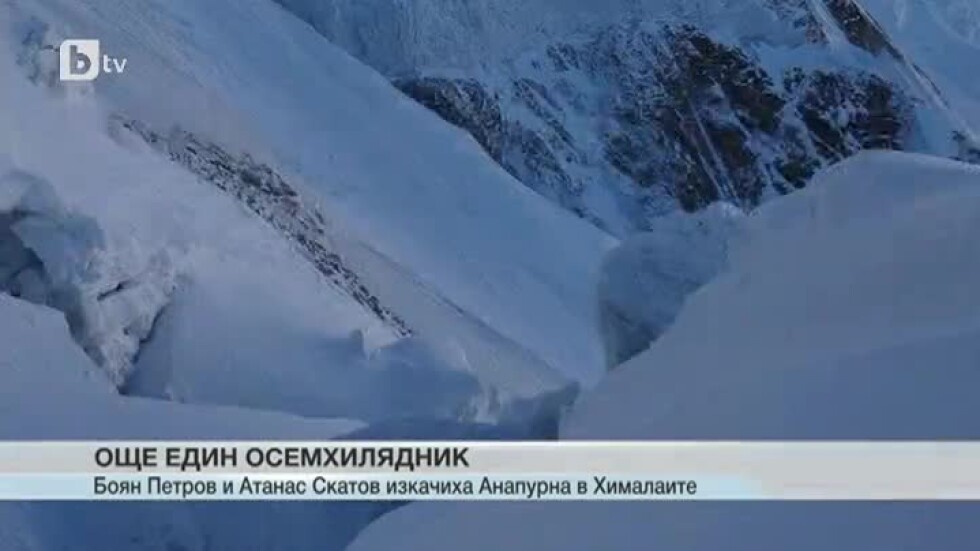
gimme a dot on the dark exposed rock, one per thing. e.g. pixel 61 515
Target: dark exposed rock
pixel 680 116
pixel 264 192
pixel 846 113
pixel 530 159
pixel 703 99
pixel 859 27
pixel 732 131
pixel 464 103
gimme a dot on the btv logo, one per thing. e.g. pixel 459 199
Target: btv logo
pixel 82 60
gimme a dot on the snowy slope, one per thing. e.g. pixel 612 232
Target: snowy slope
pixel 398 37
pixel 163 277
pixel 859 294
pixel 140 273
pixel 849 310
pixel 386 171
pixel 48 382
pixel 250 225
pixel 943 38
pixel 51 390
pixel 496 283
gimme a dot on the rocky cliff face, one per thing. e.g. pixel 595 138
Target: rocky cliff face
pixel 628 121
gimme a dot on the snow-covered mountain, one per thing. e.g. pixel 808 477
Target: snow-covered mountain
pixel 223 242
pixel 310 219
pixel 943 36
pixel 622 111
pixel 378 203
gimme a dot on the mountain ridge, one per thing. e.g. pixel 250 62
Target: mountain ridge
pixel 678 107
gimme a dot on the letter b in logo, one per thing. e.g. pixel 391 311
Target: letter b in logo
pixel 79 59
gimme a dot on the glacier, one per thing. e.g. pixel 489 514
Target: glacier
pixel 431 227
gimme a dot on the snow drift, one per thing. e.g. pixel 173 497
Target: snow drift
pixel 185 295
pixel 849 311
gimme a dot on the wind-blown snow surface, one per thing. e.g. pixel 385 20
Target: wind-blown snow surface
pixel 850 310
pixel 417 204
pixel 107 232
pixel 418 191
pixel 135 274
pixel 245 315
